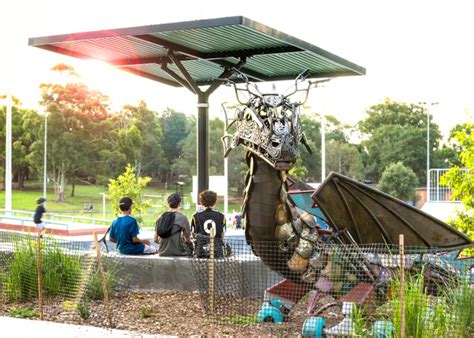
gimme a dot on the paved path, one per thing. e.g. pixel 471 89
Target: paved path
pixel 24 328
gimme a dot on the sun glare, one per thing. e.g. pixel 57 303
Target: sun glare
pixel 98 74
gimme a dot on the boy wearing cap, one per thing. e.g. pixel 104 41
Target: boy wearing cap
pixel 124 232
pixel 40 210
pixel 179 243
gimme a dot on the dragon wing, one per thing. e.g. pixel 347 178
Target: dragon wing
pixel 372 216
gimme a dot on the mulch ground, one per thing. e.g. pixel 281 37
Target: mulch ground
pixel 175 313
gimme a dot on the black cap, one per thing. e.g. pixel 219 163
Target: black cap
pixel 125 203
pixel 174 199
pixel 40 200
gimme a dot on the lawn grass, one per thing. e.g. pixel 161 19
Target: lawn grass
pixel 25 200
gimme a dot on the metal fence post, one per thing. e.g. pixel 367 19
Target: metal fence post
pixel 211 277
pixel 402 285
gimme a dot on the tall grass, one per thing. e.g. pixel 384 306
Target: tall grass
pixel 94 287
pixel 460 303
pixel 450 314
pixel 360 321
pixel 61 271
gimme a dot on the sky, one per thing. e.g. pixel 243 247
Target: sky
pixel 413 51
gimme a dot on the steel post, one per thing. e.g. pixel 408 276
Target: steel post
pixel 203 142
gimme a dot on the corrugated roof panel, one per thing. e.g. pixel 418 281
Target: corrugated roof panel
pixel 269 54
pixel 151 69
pixel 291 63
pixel 200 70
pixel 114 48
pixel 215 39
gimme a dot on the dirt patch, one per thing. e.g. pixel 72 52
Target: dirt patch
pixel 173 313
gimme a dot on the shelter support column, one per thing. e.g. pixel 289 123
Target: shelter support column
pixel 203 142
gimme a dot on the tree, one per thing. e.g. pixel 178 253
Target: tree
pixel 73 110
pixel 26 131
pixel 344 158
pixel 129 185
pixel 396 132
pixel 341 156
pixel 237 170
pixel 185 164
pixel 311 162
pixel 392 144
pixel 150 154
pixel 299 171
pixel 399 181
pixel 462 181
pixel 130 143
pixel 24 134
pixel 175 127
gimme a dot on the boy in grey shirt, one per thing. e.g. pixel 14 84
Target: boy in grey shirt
pixel 179 243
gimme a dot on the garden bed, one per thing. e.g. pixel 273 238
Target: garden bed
pixel 168 313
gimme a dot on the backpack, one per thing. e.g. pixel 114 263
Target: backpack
pixel 164 224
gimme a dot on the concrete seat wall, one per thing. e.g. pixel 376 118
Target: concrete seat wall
pixel 233 276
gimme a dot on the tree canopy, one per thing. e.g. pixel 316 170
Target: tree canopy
pixel 88 142
pixel 462 181
pixel 398 181
pixel 396 132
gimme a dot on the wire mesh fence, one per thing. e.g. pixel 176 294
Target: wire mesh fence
pixel 341 290
pixel 41 275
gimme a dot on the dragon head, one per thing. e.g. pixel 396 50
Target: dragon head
pixel 269 126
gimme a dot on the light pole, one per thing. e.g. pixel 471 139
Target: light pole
pixel 45 157
pixel 425 107
pixel 103 204
pixel 324 93
pixel 45 174
pixel 8 154
pixel 323 148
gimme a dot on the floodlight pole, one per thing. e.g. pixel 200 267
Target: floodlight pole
pixel 45 168
pixel 8 154
pixel 323 148
pixel 425 107
pixel 427 156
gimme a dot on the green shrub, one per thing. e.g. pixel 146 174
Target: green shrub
pixel 360 321
pixel 94 287
pixel 450 314
pixel 146 312
pixel 84 309
pixel 22 280
pixel 460 302
pixel 238 319
pixel 399 181
pixel 61 271
pixel 416 304
pixel 23 313
pixel 3 289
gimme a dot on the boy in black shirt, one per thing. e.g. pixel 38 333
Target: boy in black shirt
pixel 202 222
pixel 40 210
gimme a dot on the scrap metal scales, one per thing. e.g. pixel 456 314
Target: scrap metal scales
pixel 198 55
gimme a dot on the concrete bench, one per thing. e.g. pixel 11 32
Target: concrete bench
pixel 237 276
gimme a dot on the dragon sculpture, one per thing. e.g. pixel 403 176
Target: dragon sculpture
pixel 288 222
pixel 269 127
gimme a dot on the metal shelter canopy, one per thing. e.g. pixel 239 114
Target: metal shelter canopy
pixel 199 53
